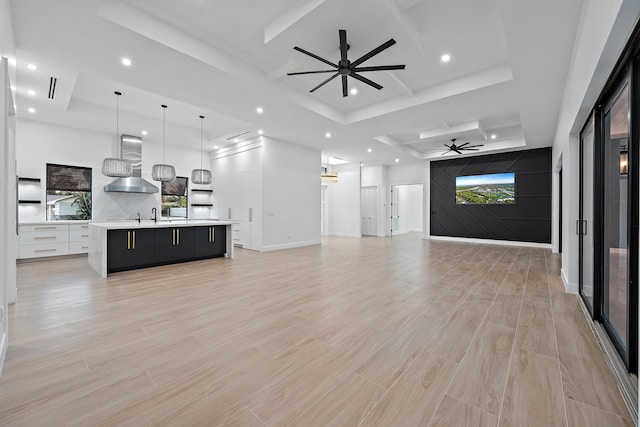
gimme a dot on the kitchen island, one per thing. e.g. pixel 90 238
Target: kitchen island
pixel 127 245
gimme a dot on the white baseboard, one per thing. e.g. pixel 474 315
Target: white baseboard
pixel 345 234
pixel 570 288
pixel 289 245
pixel 492 242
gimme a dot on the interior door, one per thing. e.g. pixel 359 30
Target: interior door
pixel 395 209
pixel 368 210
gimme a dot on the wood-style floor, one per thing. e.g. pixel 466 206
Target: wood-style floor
pixel 357 332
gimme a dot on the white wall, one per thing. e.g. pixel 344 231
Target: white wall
pixel 41 143
pixel 377 176
pixel 291 195
pixel 603 31
pixel 343 202
pixel 8 241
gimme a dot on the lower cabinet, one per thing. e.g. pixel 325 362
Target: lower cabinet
pixel 130 248
pixel 210 241
pixel 143 247
pixel 174 244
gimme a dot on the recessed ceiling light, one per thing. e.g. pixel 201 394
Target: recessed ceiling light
pixel 327 135
pixel 32 110
pixel 32 67
pixel 13 88
pixel 397 160
pixel 215 147
pixel 369 150
pixel 260 132
pixel 144 132
pixel 259 110
pixel 31 92
pixel 126 61
pixel 445 58
pixel 236 140
pixel 493 136
pixel 361 164
pixel 353 91
pixel 12 61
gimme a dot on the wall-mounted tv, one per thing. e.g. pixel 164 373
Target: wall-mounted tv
pixel 487 189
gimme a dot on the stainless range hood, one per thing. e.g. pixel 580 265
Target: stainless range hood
pixel 132 151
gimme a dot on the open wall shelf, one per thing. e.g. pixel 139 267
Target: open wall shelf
pixel 35 202
pixel 201 190
pixel 202 205
pixel 25 179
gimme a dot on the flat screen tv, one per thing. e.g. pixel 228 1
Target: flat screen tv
pixel 487 189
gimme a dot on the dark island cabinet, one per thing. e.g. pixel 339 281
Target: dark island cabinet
pixel 128 249
pixel 210 241
pixel 174 244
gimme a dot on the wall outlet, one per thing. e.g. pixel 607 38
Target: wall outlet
pixel 271 213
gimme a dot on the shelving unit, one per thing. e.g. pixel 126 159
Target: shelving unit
pixel 26 181
pixel 202 198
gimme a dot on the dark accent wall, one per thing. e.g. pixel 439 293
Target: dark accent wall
pixel 528 220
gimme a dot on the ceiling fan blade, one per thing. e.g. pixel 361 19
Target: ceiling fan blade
pixel 365 80
pixel 462 145
pixel 445 153
pixel 471 149
pixel 345 91
pixel 457 151
pixel 374 52
pixel 311 72
pixel 379 68
pixel 325 82
pixel 473 146
pixel 343 44
pixel 306 52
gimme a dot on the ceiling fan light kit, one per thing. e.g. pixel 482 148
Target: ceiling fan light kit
pixel 346 68
pixel 460 148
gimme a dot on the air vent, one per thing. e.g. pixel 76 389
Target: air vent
pixel 52 87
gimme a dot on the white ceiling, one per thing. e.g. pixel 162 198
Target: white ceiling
pixel 222 59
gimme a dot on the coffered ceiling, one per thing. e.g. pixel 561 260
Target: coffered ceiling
pixel 223 59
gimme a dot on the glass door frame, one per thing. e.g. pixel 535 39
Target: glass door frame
pixel 626 74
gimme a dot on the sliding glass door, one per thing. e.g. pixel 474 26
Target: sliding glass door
pixel 585 225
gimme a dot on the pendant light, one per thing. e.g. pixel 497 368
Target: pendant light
pixel 201 176
pixel 163 172
pixel 117 167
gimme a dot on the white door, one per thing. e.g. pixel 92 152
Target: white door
pixel 395 209
pixel 324 226
pixel 368 210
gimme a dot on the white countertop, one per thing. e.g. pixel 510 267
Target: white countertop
pixel 54 222
pixel 115 225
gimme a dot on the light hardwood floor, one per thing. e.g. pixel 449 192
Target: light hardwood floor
pixel 356 332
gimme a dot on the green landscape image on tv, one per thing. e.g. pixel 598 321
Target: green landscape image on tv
pixel 487 189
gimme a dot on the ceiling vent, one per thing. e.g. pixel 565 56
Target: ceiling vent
pixel 52 87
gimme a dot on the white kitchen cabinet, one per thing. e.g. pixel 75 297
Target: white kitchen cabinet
pixel 52 239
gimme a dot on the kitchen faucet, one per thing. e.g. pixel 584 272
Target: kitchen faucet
pixel 155 215
pixel 138 217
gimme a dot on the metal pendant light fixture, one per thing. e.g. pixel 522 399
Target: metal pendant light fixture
pixel 117 167
pixel 163 172
pixel 201 176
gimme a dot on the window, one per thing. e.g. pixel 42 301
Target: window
pixel 68 192
pixel 174 198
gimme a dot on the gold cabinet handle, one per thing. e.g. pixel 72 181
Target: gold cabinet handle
pixel 213 234
pixel 173 236
pixel 46 228
pixel 44 238
pixel 44 250
pixel 178 232
pixel 128 240
pixel 134 240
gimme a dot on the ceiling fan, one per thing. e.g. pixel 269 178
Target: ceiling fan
pixel 460 148
pixel 345 67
